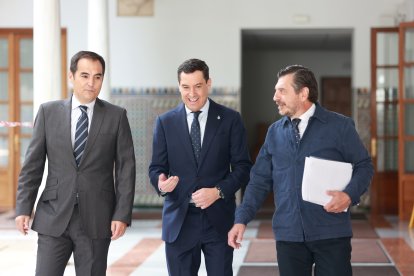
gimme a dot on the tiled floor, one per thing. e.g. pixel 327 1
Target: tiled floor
pixel 387 250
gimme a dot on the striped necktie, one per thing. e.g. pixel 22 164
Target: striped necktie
pixel 81 134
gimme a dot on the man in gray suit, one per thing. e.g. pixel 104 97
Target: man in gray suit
pixel 90 186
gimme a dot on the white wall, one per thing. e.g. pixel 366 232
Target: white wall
pixel 145 51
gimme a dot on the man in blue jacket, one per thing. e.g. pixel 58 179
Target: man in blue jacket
pixel 306 233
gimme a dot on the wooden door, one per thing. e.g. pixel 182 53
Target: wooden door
pixel 336 94
pixel 16 105
pixel 384 121
pixel 406 121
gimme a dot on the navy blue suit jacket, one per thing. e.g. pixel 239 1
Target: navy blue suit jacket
pixel 224 161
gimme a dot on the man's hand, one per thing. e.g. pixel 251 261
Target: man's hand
pixel 22 224
pixel 118 229
pixel 167 185
pixel 235 236
pixel 340 202
pixel 204 197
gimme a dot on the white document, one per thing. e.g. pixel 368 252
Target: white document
pixel 321 175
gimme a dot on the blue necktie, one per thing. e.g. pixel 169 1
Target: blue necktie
pixel 196 136
pixel 295 123
pixel 81 134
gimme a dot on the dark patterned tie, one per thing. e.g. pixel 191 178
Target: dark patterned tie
pixel 196 136
pixel 295 123
pixel 81 134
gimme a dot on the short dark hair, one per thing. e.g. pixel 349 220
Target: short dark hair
pixel 302 77
pixel 88 55
pixel 192 65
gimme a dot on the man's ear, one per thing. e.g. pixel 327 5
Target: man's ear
pixel 71 77
pixel 305 93
pixel 209 84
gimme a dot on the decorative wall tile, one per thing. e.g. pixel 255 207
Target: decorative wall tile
pixel 143 106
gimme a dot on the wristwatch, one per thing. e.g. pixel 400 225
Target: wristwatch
pixel 162 193
pixel 220 192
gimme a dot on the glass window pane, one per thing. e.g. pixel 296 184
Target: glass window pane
pixel 408 121
pixel 24 144
pixel 409 83
pixel 4 84
pixel 26 86
pixel 409 157
pixel 26 116
pixel 26 53
pixel 409 45
pixel 380 119
pixel 380 95
pixel 4 151
pixel 380 155
pixel 387 48
pixel 4 116
pixel 391 152
pixel 391 118
pixel 387 78
pixel 4 53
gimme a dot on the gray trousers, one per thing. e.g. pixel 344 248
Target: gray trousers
pixel 53 253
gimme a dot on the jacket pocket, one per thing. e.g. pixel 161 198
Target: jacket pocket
pixel 49 194
pixel 50 182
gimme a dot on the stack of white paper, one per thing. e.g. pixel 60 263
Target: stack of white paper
pixel 321 175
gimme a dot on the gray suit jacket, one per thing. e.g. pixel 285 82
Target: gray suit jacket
pixel 104 180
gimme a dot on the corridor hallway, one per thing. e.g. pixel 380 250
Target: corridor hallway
pixel 385 250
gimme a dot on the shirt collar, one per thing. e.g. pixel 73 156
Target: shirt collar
pixel 204 109
pixel 76 103
pixel 309 113
pixel 304 117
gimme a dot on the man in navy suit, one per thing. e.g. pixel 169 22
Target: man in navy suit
pixel 200 159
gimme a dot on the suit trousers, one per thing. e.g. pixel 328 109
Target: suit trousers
pixel 330 256
pixel 198 235
pixel 53 253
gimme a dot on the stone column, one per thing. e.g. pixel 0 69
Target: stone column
pixel 98 38
pixel 410 10
pixel 47 71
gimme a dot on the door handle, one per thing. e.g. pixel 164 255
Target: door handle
pixel 373 147
pixel 16 143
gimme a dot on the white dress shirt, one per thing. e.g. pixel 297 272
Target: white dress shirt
pixel 202 119
pixel 304 119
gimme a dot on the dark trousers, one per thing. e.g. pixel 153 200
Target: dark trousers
pixel 53 253
pixel 198 235
pixel 330 256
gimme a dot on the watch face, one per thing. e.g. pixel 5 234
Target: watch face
pixel 135 7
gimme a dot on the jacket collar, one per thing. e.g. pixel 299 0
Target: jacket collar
pixel 320 114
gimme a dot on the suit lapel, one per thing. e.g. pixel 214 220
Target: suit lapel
pixel 97 119
pixel 213 122
pixel 67 128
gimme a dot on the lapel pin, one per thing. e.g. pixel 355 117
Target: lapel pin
pixel 218 118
